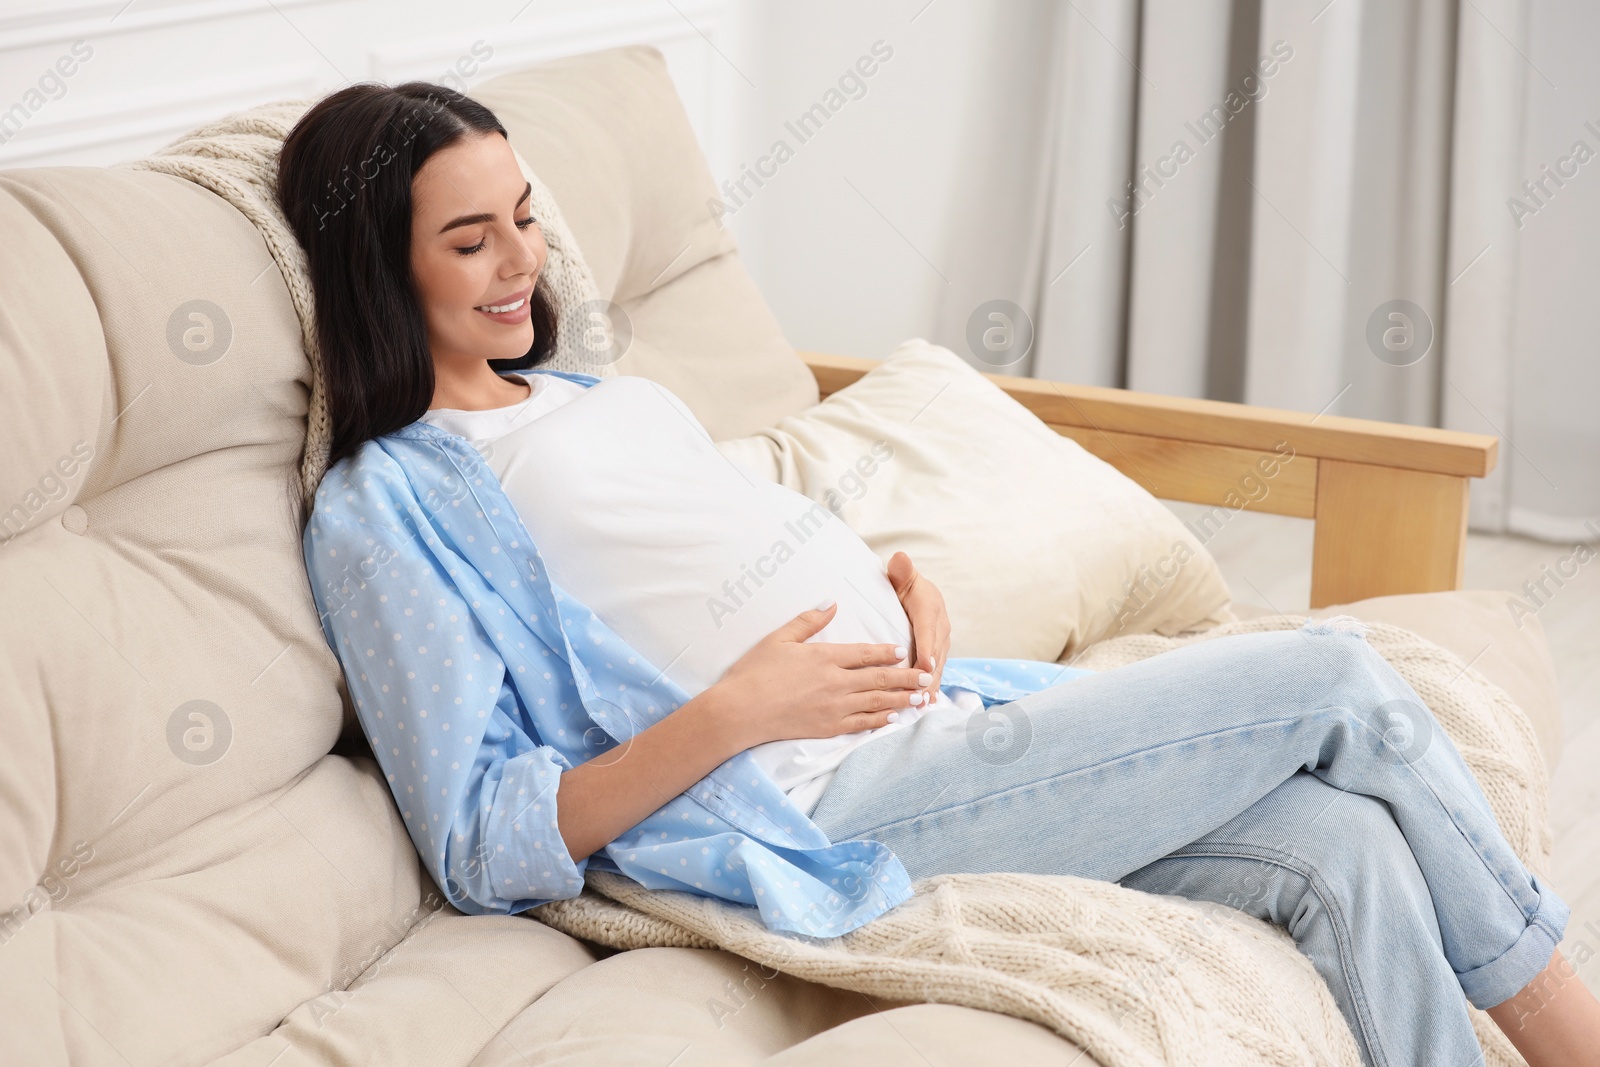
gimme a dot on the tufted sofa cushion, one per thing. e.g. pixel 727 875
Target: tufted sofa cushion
pixel 187 866
pixel 613 143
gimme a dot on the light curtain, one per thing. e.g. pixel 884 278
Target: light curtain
pixel 1237 198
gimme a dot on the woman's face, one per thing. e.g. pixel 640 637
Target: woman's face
pixel 474 247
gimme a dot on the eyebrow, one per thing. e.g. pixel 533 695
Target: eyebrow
pixel 485 216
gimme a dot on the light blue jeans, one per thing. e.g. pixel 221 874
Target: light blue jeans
pixel 1293 775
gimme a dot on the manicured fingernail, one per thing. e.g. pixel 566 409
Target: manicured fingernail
pixel 899 651
pixel 894 716
pixel 924 678
pixel 825 605
pixel 916 698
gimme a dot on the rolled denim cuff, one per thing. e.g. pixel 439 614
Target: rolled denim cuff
pixel 1510 972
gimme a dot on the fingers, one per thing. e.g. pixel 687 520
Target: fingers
pixel 877 701
pixel 938 662
pixel 924 648
pixel 902 575
pixel 929 619
pixel 808 623
pixel 861 654
pixel 897 679
pixel 867 720
pixel 878 708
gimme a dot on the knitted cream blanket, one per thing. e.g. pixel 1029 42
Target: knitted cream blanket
pixel 1136 980
pixel 236 157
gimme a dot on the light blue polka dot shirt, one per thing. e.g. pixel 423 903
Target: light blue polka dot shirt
pixel 478 682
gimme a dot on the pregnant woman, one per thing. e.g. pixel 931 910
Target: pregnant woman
pixel 576 634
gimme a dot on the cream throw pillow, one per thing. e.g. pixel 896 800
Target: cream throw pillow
pixel 1038 546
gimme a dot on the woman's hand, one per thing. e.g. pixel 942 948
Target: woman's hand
pixel 930 623
pixel 786 687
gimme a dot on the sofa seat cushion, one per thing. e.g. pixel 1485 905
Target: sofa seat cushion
pixel 441 994
pixel 697 1007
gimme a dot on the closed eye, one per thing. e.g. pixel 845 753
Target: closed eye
pixel 521 224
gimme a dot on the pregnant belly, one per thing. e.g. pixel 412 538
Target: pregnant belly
pixel 693 605
pixel 689 558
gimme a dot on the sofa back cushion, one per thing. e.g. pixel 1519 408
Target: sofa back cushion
pixel 174 831
pixel 612 141
pixel 183 859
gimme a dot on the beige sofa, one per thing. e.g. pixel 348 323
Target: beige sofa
pixel 200 864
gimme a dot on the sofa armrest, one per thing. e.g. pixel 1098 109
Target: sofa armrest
pixel 1389 500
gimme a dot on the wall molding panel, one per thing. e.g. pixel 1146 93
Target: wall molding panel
pixel 530 40
pixel 71 20
pixel 156 116
pixel 135 74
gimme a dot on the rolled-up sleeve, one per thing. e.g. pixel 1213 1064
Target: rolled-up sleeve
pixel 476 791
pixel 505 852
pixel 526 857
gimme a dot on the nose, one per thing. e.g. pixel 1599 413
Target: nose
pixel 521 256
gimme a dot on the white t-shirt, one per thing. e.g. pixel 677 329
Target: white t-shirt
pixel 688 556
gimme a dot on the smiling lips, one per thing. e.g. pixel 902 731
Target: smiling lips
pixel 511 311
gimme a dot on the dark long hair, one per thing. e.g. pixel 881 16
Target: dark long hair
pixel 344 182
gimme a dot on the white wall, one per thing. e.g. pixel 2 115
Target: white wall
pixel 156 68
pixel 854 238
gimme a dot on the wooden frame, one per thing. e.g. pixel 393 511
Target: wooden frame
pixel 1389 500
